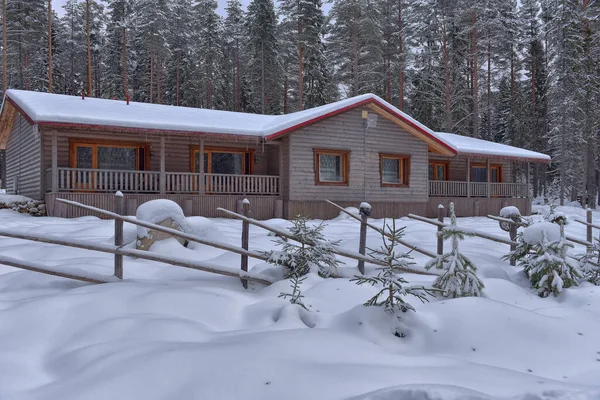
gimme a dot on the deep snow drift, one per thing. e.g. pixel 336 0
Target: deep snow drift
pixel 172 333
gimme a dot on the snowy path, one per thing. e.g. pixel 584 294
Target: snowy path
pixel 171 333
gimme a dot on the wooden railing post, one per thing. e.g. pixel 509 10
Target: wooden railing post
pixel 588 228
pixel 119 209
pixel 513 238
pixel 440 240
pixel 245 239
pixel 365 211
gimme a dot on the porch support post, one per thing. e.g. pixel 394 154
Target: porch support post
pixel 527 179
pixel 489 177
pixel 163 176
pixel 468 177
pixel 201 166
pixel 54 163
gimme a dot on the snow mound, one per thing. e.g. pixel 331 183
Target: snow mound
pixel 351 210
pixel 536 233
pixel 510 212
pixel 423 392
pixel 203 228
pixel 13 198
pixel 155 211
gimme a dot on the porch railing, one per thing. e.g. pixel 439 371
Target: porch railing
pixel 94 180
pixel 477 189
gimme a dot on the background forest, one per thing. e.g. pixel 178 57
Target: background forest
pixel 525 72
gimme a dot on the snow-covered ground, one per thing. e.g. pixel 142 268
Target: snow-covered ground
pixel 171 333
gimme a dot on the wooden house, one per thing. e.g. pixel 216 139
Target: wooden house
pixel 354 150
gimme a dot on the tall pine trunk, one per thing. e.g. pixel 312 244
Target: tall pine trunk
pixel 50 46
pixel 447 93
pixel 475 78
pixel 401 56
pixel 89 47
pixel 4 52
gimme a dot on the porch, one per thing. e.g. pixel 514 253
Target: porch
pixel 478 189
pixel 63 179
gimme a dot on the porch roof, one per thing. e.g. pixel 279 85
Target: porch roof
pixel 468 146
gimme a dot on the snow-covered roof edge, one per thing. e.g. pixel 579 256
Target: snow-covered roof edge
pixel 473 147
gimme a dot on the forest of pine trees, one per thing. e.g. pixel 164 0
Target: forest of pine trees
pixel 521 72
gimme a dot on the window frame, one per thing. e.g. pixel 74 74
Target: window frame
pixel 404 165
pixel 489 172
pixel 208 150
pixel 345 154
pixel 94 144
pixel 435 164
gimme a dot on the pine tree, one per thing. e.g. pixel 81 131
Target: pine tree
pixel 393 288
pixel 589 263
pixel 233 32
pixel 356 46
pixel 264 71
pixel 118 40
pixel 459 275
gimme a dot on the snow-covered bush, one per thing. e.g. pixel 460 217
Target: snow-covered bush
pixel 512 213
pixel 589 264
pixel 556 217
pixel 546 263
pixel 459 277
pixel 393 290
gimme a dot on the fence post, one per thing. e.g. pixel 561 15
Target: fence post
pixel 119 209
pixel 588 228
pixel 365 211
pixel 513 238
pixel 245 239
pixel 440 240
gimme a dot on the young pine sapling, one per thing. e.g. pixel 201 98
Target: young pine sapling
pixel 459 275
pixel 393 290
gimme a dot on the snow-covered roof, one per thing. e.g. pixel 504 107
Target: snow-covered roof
pixel 469 146
pixel 72 111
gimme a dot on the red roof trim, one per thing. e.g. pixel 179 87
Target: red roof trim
pixel 352 106
pixel 143 130
pixel 20 110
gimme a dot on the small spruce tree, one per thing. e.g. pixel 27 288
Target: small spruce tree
pixel 548 268
pixel 590 264
pixel 393 286
pixel 459 277
pixel 312 252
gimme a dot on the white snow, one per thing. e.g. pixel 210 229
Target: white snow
pixel 470 146
pixel 155 211
pixel 56 108
pixel 509 212
pixel 540 232
pixel 13 198
pixel 174 333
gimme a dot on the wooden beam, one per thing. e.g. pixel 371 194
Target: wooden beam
pixel 173 232
pixel 201 166
pixel 69 273
pixel 336 250
pixel 382 232
pixel 145 255
pixel 163 176
pixel 489 177
pixel 54 162
pixel 468 176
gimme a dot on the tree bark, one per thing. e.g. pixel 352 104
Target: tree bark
pixel 447 94
pixel 4 50
pixel 401 55
pixel 49 46
pixel 300 68
pixel 89 47
pixel 475 74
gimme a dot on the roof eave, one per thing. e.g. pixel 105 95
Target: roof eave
pixel 506 157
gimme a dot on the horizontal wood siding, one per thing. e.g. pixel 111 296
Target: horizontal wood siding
pixel 261 207
pixel 177 148
pixel 465 207
pixel 458 167
pixel 346 132
pixel 23 162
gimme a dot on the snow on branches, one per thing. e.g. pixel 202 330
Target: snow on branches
pixel 459 277
pixel 308 252
pixel 393 291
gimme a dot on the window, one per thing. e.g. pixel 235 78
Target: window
pixel 438 171
pixel 109 155
pixel 332 167
pixel 223 160
pixel 479 173
pixel 394 169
